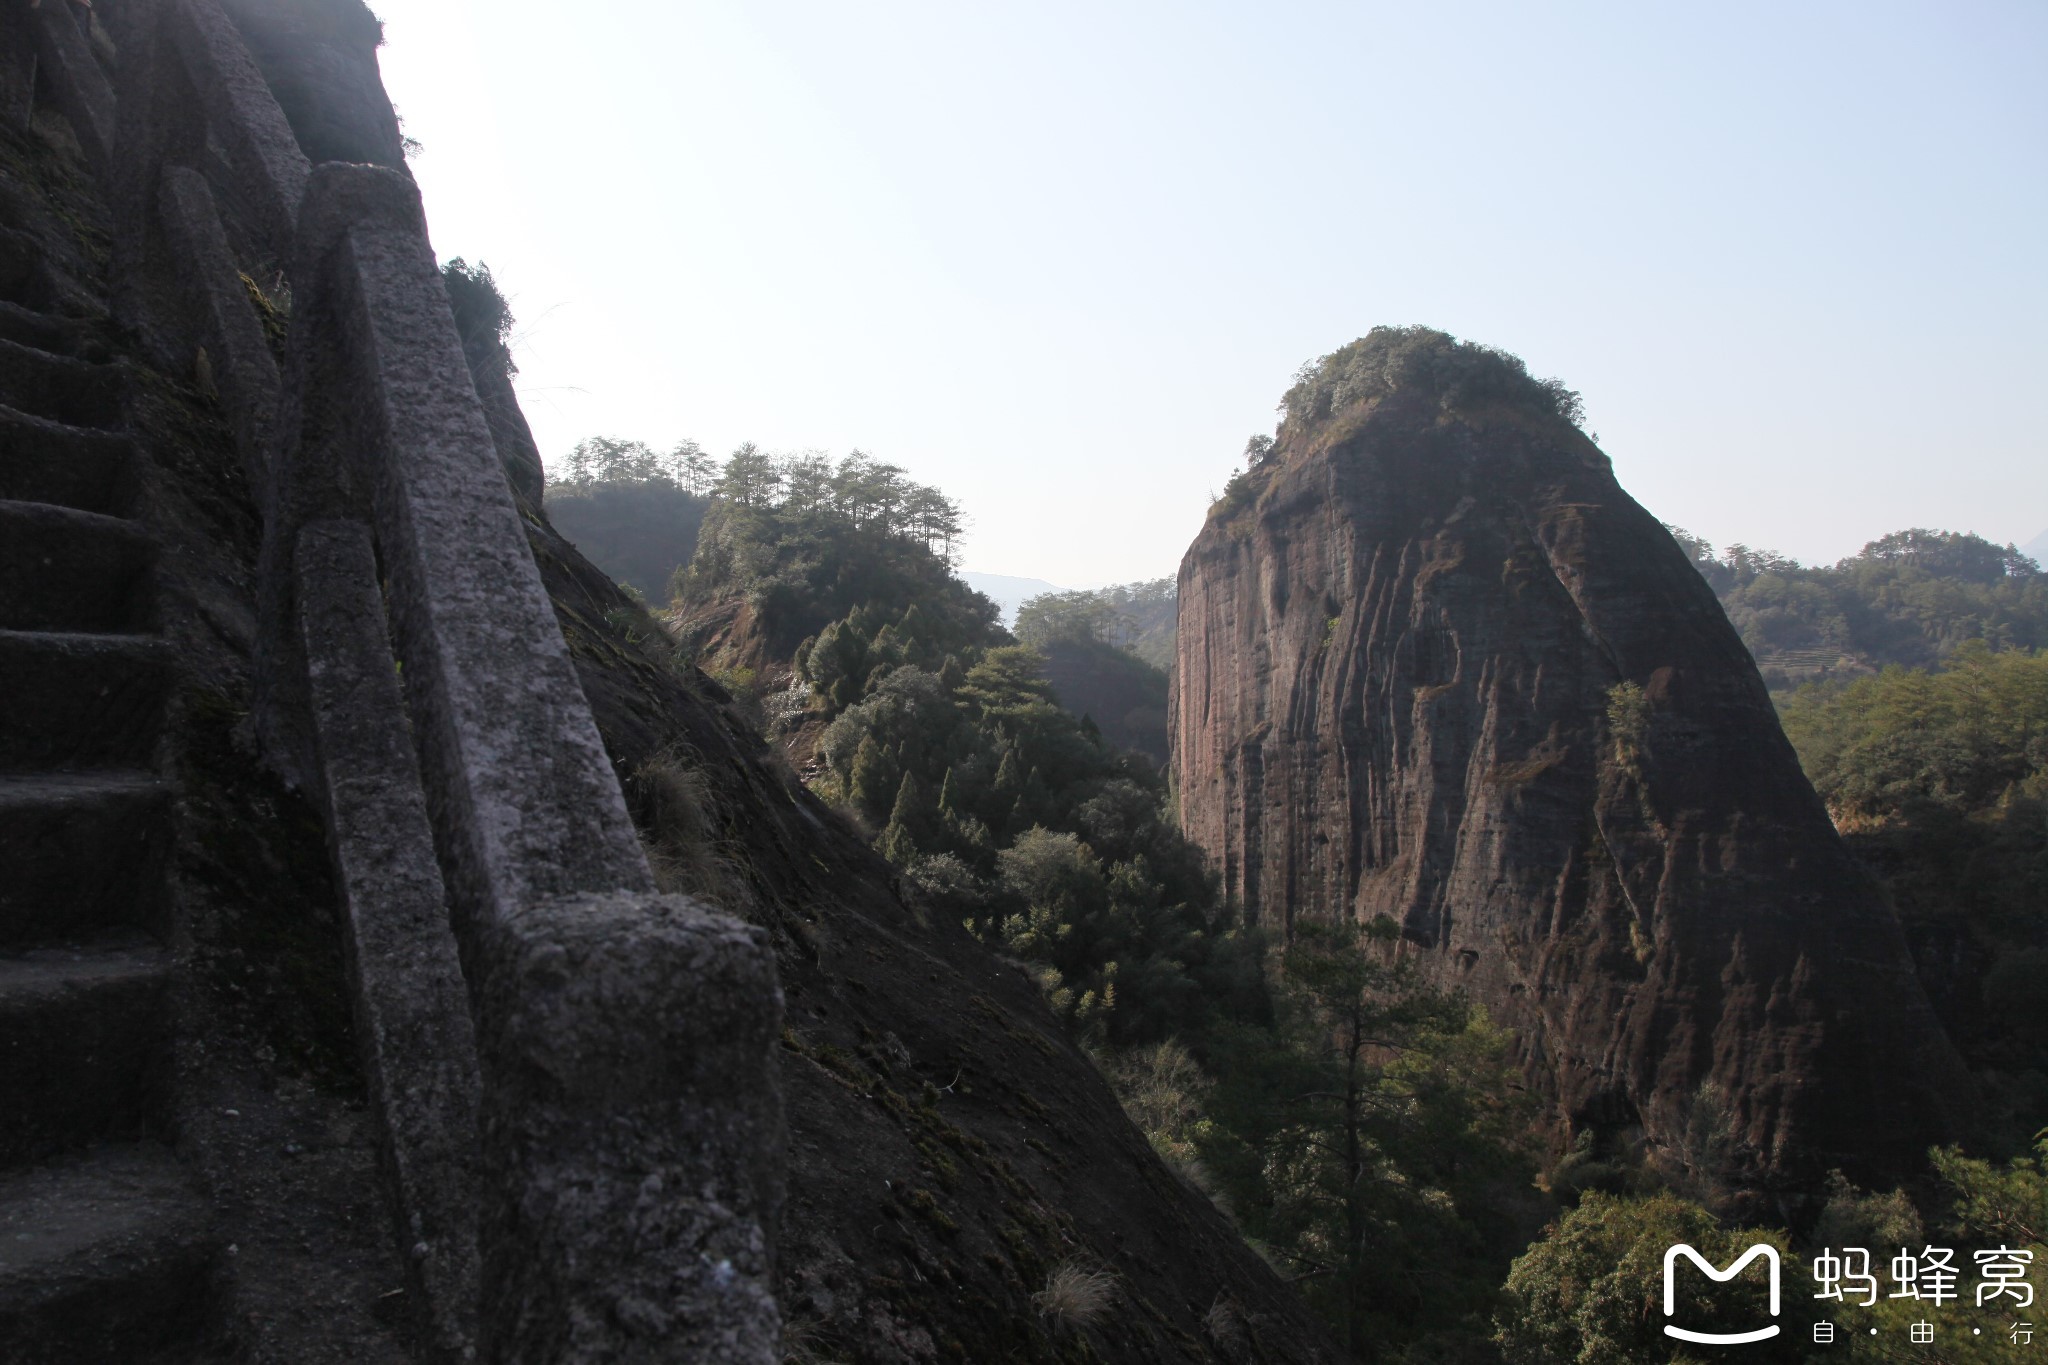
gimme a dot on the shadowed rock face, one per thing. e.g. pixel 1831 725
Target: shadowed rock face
pixel 1436 665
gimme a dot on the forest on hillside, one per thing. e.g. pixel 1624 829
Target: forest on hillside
pixel 1347 1115
pixel 1913 598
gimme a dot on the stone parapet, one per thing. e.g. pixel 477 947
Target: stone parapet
pixel 411 1009
pixel 633 1152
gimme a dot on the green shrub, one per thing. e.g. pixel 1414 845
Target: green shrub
pixel 1628 723
pixel 1590 1291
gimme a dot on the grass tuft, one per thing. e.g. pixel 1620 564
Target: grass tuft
pixel 1075 1297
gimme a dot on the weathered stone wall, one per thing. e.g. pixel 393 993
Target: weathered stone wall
pixel 1441 668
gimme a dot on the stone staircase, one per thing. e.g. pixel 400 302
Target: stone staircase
pixel 105 1246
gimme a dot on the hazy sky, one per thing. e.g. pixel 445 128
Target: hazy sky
pixel 1062 259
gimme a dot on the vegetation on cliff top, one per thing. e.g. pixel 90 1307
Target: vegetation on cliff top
pixel 1461 376
pixel 806 542
pixel 1423 363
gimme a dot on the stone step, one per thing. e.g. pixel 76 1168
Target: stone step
pixel 43 461
pixel 80 854
pixel 66 569
pixel 24 280
pixel 104 1256
pixel 59 387
pixel 83 1055
pixel 80 701
pixel 64 336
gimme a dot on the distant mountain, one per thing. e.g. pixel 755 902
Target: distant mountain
pixel 1009 593
pixel 1147 615
pixel 2037 549
pixel 639 531
pixel 1912 597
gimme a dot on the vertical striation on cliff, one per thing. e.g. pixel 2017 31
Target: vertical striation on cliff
pixel 1435 665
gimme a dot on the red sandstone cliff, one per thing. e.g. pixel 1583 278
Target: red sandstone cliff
pixel 1434 664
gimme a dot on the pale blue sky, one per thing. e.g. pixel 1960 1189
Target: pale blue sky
pixel 1061 259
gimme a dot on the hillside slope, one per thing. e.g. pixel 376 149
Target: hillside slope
pixel 950 1148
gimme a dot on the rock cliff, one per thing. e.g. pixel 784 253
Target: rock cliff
pixel 1435 664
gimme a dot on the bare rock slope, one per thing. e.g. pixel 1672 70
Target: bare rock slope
pixel 1434 664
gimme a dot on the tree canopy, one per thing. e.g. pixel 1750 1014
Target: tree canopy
pixel 1963 736
pixel 1139 617
pixel 1939 781
pixel 809 543
pixel 483 315
pixel 1912 597
pixel 597 460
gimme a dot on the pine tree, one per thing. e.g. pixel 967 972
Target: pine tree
pixel 1009 773
pixel 750 478
pixel 913 630
pixel 1001 802
pixel 896 845
pixel 690 466
pixel 908 814
pixel 1034 803
pixel 949 797
pixel 868 783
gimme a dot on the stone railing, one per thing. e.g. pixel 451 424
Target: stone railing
pixel 575 1074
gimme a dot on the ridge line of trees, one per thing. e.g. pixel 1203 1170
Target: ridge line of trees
pixel 859 489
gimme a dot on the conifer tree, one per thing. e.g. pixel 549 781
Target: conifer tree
pixel 913 629
pixel 1035 802
pixel 908 814
pixel 868 781
pixel 1002 801
pixel 750 478
pixel 896 845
